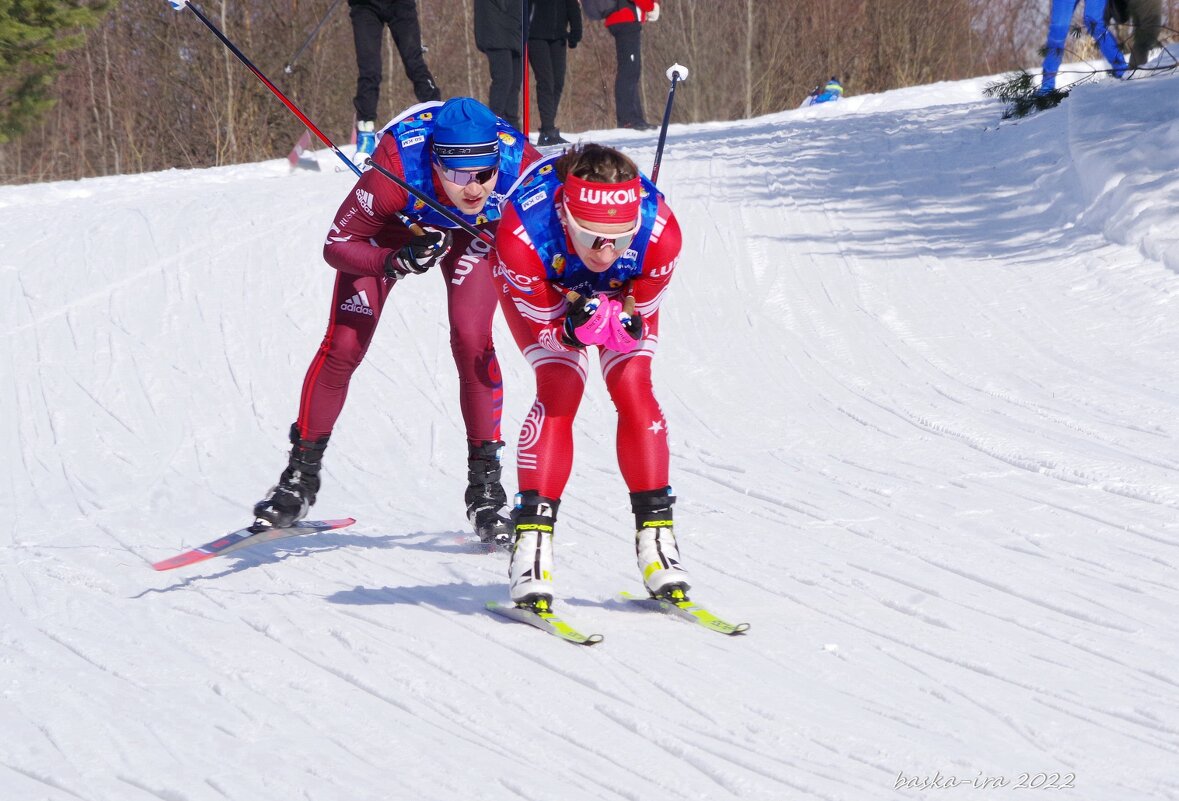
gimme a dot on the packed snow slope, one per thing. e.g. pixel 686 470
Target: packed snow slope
pixel 920 376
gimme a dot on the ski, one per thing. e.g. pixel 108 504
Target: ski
pixel 299 157
pixel 688 610
pixel 245 537
pixel 545 621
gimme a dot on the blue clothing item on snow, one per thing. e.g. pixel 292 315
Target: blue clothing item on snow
pixel 465 135
pixel 1058 27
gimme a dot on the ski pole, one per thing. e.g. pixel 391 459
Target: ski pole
pixel 675 74
pixel 180 5
pixel 291 64
pixel 429 201
pixel 434 204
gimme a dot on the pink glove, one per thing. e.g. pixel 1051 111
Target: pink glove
pixel 596 330
pixel 626 331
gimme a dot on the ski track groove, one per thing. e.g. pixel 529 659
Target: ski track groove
pixel 362 686
pixel 47 781
pixel 1058 608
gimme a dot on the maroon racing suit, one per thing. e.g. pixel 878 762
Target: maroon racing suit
pixel 544 457
pixel 367 228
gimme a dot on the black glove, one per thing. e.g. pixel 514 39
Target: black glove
pixel 578 315
pixel 635 327
pixel 419 254
pixel 573 40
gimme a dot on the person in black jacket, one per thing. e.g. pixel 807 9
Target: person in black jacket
pixel 552 25
pixel 499 36
pixel 369 18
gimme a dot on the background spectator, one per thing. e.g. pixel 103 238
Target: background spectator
pixel 553 24
pixel 498 36
pixel 369 18
pixel 626 26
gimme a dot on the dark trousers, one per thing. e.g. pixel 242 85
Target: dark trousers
pixel 547 59
pixel 503 98
pixel 368 23
pixel 628 97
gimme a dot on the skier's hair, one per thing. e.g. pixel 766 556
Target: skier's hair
pixel 597 164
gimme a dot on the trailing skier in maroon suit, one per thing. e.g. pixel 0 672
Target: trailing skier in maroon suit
pixel 460 154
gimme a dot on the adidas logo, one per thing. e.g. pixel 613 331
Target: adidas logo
pixel 366 201
pixel 358 303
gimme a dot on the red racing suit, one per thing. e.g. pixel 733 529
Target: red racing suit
pixel 534 306
pixel 367 228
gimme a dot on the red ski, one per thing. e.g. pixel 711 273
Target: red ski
pixel 299 155
pixel 245 537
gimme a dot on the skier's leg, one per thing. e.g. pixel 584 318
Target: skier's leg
pixel 471 302
pixel 356 308
pixel 642 430
pixel 544 459
pixel 544 456
pixel 643 459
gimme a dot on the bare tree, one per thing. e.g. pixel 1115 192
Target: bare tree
pixel 152 89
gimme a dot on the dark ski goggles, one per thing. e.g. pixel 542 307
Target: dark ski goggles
pixel 465 177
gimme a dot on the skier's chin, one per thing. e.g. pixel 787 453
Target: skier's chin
pixel 597 264
pixel 471 206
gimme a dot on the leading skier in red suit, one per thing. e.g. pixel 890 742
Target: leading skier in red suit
pixel 586 249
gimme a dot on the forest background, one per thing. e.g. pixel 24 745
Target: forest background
pixel 129 86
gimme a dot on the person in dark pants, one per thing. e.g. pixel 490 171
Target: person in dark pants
pixel 369 18
pixel 626 26
pixel 552 25
pixel 498 35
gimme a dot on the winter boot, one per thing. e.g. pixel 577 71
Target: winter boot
pixel 550 136
pixel 531 568
pixel 487 503
pixel 293 495
pixel 366 137
pixel 655 545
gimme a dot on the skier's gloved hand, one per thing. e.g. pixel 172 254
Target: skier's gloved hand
pixel 573 41
pixel 419 254
pixel 579 313
pixel 588 321
pixel 626 331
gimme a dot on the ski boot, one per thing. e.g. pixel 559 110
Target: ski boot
pixel 655 545
pixel 531 569
pixel 366 138
pixel 549 137
pixel 487 503
pixel 289 499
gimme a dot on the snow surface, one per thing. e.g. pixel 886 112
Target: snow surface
pixel 920 373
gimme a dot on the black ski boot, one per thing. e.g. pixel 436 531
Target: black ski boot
pixel 289 499
pixel 487 503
